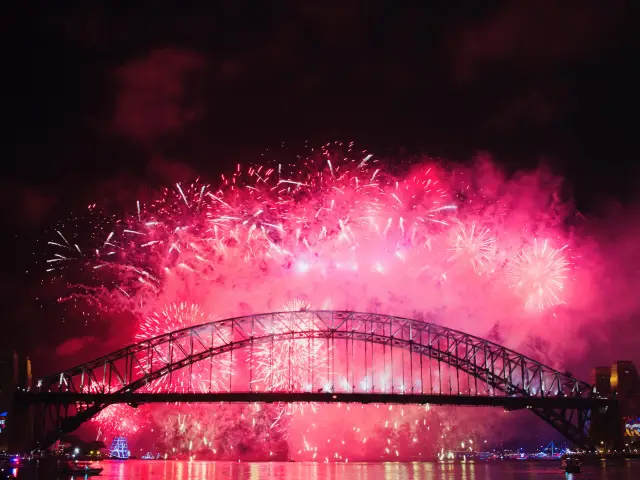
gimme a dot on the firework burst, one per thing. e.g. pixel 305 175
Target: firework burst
pixel 538 274
pixel 205 376
pixel 291 364
pixel 294 364
pixel 121 419
pixel 116 419
pixel 474 246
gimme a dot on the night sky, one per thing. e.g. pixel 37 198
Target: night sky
pixel 97 98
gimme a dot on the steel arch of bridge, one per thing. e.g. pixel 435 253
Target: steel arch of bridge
pixel 67 399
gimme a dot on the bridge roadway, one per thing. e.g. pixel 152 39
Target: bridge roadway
pixel 509 403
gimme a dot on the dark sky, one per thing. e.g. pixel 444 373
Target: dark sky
pixel 95 95
pixel 95 91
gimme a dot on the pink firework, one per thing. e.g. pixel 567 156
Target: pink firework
pixel 206 376
pixel 116 419
pixel 174 231
pixel 267 214
pixel 294 364
pixel 291 364
pixel 474 246
pixel 121 419
pixel 538 275
pixel 169 235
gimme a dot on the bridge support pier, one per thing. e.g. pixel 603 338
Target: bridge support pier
pixel 607 427
pixel 19 437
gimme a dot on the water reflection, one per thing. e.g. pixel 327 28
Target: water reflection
pixel 168 470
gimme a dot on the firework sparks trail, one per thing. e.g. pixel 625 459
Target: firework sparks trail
pixel 257 216
pixel 291 364
pixel 294 364
pixel 475 246
pixel 338 229
pixel 539 273
pixel 121 419
pixel 202 377
pixel 117 419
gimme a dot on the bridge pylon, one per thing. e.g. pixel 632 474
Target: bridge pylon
pixel 607 427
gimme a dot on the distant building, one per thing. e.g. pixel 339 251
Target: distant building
pixel 601 379
pixel 621 381
pixel 625 385
pixel 15 420
pixel 15 372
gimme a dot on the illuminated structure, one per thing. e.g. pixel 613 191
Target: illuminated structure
pixel 632 430
pixel 625 385
pixel 427 363
pixel 120 448
pixel 622 382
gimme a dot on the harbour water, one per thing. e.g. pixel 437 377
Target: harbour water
pixel 183 470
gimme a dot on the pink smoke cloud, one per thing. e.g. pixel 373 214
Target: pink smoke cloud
pixel 155 95
pixel 530 34
pixel 74 345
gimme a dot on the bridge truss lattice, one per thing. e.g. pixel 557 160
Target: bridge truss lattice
pixel 351 356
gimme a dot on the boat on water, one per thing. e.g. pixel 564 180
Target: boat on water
pixel 570 465
pixel 79 468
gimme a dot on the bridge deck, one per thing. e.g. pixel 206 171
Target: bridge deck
pixel 315 397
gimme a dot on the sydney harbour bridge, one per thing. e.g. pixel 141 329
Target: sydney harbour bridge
pixel 338 356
